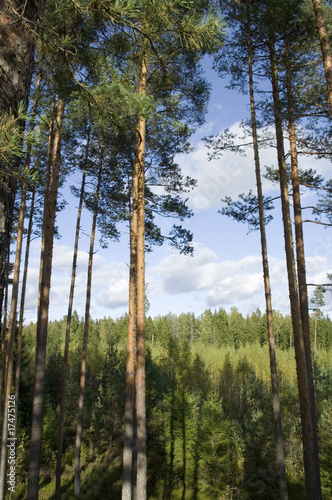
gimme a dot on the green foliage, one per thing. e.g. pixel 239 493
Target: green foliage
pixel 14 140
pixel 209 409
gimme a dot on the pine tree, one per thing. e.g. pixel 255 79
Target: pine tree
pixel 79 430
pixel 68 326
pixel 309 448
pixel 162 16
pixel 325 46
pixel 18 20
pixel 51 192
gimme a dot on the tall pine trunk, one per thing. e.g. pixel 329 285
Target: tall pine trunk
pixel 27 250
pixel 301 270
pixel 68 325
pixel 135 474
pixel 51 193
pixel 128 434
pixel 267 286
pixel 301 368
pixel 12 318
pixel 79 429
pixel 139 171
pixel 10 348
pixel 18 20
pixel 325 46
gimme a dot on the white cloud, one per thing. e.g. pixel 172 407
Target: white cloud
pixel 109 283
pixel 229 175
pixel 215 283
pixel 224 282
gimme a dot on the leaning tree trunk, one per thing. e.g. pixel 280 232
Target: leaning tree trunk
pixel 52 182
pixel 325 46
pixel 301 271
pixel 79 430
pixel 67 339
pixel 311 481
pixel 18 19
pixel 139 171
pixel 267 286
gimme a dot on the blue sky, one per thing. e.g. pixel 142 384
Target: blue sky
pixel 226 268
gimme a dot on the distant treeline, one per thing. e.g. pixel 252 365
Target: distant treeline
pixel 209 409
pixel 233 329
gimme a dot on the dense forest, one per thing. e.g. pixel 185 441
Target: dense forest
pixel 208 406
pixel 216 405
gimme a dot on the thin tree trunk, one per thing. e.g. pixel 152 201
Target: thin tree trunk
pixel 4 338
pixel 267 286
pixel 128 435
pixel 79 429
pixel 27 250
pixel 301 271
pixel 316 317
pixel 306 420
pixel 8 428
pixel 139 171
pixel 24 285
pixel 67 339
pixel 43 307
pixel 325 46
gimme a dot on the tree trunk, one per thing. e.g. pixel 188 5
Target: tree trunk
pixel 27 250
pixel 139 171
pixel 267 287
pixel 128 438
pixel 316 318
pixel 24 285
pixel 135 372
pixel 51 193
pixel 8 429
pixel 301 271
pixel 79 429
pixel 16 59
pixel 325 46
pixel 306 420
pixel 67 339
pixel 4 338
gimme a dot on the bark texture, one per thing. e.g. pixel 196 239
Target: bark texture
pixel 325 46
pixel 134 450
pixel 140 339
